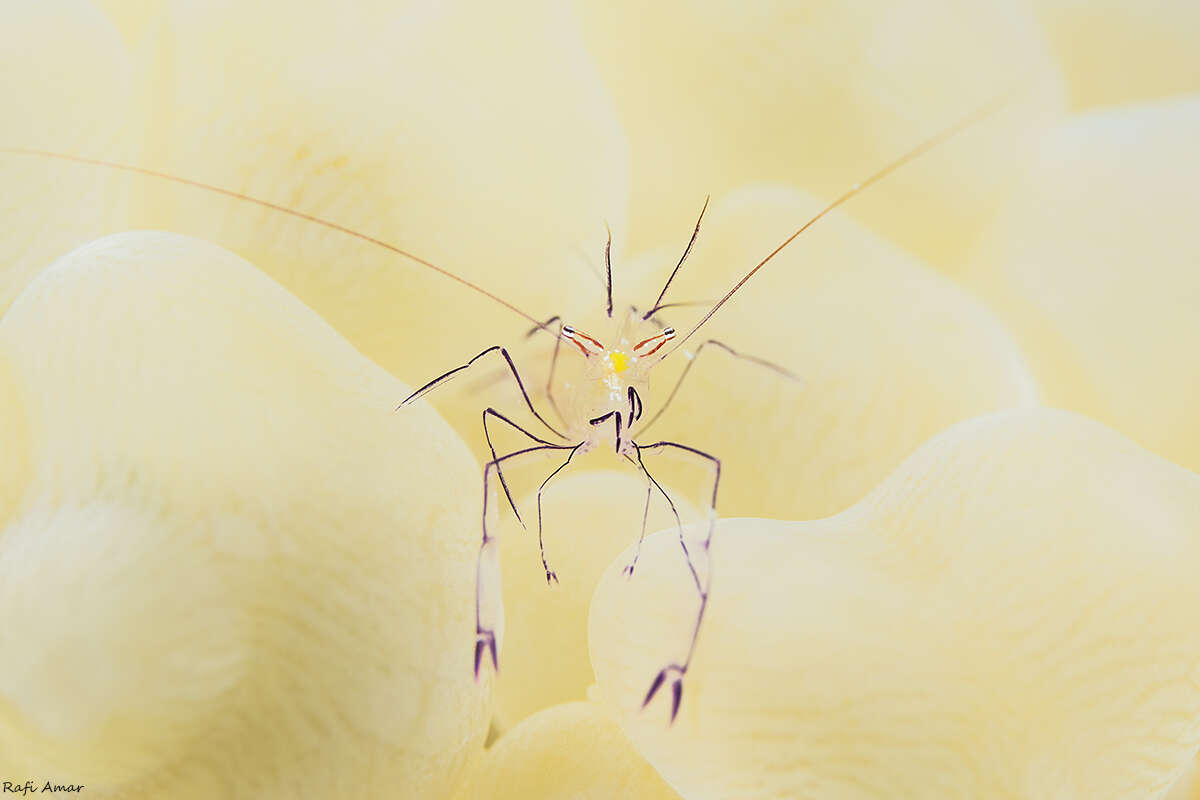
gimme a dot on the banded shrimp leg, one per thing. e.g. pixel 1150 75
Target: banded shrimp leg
pixel 491 412
pixel 653 316
pixel 700 573
pixel 487 611
pixel 487 616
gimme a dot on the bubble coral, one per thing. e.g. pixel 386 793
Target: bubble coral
pixel 228 567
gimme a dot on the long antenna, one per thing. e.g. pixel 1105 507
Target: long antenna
pixel 911 155
pixel 658 303
pixel 25 151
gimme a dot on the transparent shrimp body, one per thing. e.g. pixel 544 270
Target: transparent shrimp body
pixel 605 402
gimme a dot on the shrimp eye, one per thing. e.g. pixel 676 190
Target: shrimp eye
pixel 648 347
pixel 586 344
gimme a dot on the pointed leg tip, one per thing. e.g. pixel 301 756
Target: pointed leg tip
pixel 654 687
pixel 676 697
pixel 485 640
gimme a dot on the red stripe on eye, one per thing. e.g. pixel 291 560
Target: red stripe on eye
pixel 574 336
pixel 662 338
pixel 656 347
pixel 590 340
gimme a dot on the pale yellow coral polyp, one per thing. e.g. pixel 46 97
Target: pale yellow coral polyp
pixel 220 560
pixel 1010 614
pixel 1117 51
pixel 1095 266
pixel 66 85
pixel 715 93
pixel 573 751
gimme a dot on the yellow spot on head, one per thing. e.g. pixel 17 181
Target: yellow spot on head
pixel 619 361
